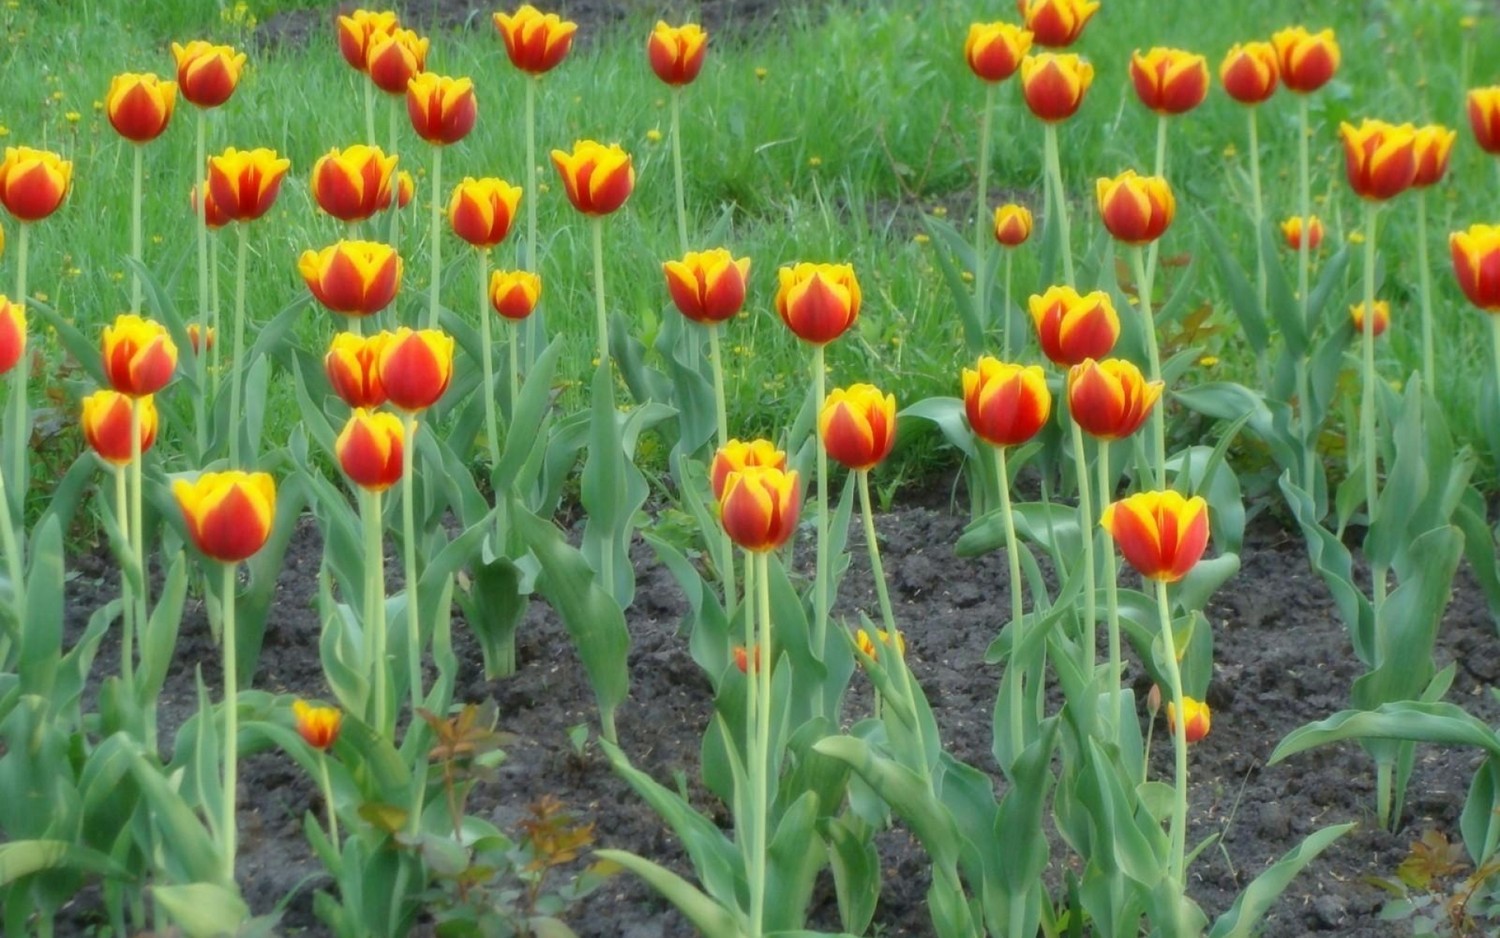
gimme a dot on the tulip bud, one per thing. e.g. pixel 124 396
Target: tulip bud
pixel 1431 148
pixel 870 648
pixel 195 336
pixel 228 514
pixel 1053 85
pixel 1198 721
pixel 1136 209
pixel 513 293
pixel 1484 117
pixel 818 302
pixel 1073 327
pixel 676 52
pixel 351 368
pixel 759 507
pixel 442 109
pixel 738 454
pixel 708 286
pixel 358 29
pixel 598 178
pixel 994 50
pixel 1056 23
pixel 1305 60
pixel 858 425
pixel 318 726
pixel 1169 81
pixel 393 60
pixel 1161 534
pixel 245 183
pixel 354 183
pixel 1012 225
pixel 139 106
pixel 1380 158
pixel 742 658
pixel 207 74
pixel 1291 230
pixel 33 183
pixel 1476 263
pixel 535 42
pixel 415 367
pixel 106 425
pixel 481 210
pixel 356 278
pixel 12 333
pixel 406 189
pixel 139 356
pixel 370 449
pixel 1006 403
pixel 1382 317
pixel 1110 399
pixel 1249 72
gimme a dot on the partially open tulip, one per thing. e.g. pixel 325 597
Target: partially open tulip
pixel 1380 158
pixel 1249 72
pixel 106 425
pixel 1006 403
pixel 1072 327
pixel 1135 209
pixel 481 210
pixel 1432 147
pixel 370 449
pixel 1476 263
pixel 415 367
pixel 442 109
pixel 356 278
pixel 12 333
pixel 357 30
pixel 676 52
pixel 394 59
pixel 406 189
pixel 195 337
pixel 513 293
pixel 1169 81
pixel 871 646
pixel 994 50
pixel 858 425
pixel 1484 117
pixel 354 183
pixel 1382 317
pixel 1161 534
pixel 818 302
pixel 33 183
pixel 708 286
pixel 1306 61
pixel 535 42
pixel 228 514
pixel 245 183
pixel 1012 225
pixel 598 178
pixel 215 217
pixel 139 106
pixel 1053 85
pixel 1292 228
pixel 318 726
pixel 759 507
pixel 207 74
pixel 1056 23
pixel 351 368
pixel 739 454
pixel 1198 720
pixel 139 355
pixel 1110 399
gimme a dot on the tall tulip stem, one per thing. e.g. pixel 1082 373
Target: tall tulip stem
pixel 1424 281
pixel 137 529
pixel 216 365
pixel 1005 310
pixel 19 409
pixel 532 263
pixel 375 629
pixel 393 122
pixel 486 340
pixel 1111 593
pixel 200 354
pixel 1368 445
pixel 1087 522
pixel 681 189
pixel 435 245
pixel 137 236
pixel 237 365
pixel 1153 360
pixel 1161 170
pixel 821 599
pixel 983 229
pixel 1017 625
pixel 1059 200
pixel 369 87
pixel 601 311
pixel 721 417
pixel 227 830
pixel 127 591
pixel 515 367
pixel 409 555
pixel 761 675
pixel 1176 868
pixel 1304 209
pixel 15 566
pixel 1258 207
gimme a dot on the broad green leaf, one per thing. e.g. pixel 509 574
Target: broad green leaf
pixel 1441 723
pixel 708 916
pixel 203 910
pixel 23 857
pixel 1256 900
pixel 494 607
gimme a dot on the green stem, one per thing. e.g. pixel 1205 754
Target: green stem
pixel 393 125
pixel 601 312
pixel 1005 311
pixel 721 416
pixel 327 783
pixel 1424 281
pixel 1304 209
pixel 200 357
pixel 217 363
pixel 983 224
pixel 1495 340
pixel 1161 170
pixel 237 364
pixel 227 828
pixel 821 598
pixel 1059 199
pixel 531 263
pixel 486 340
pixel 20 410
pixel 409 553
pixel 1258 207
pixel 137 238
pixel 1112 595
pixel 762 675
pixel 1087 522
pixel 127 592
pixel 435 247
pixel 375 631
pixel 515 368
pixel 1369 444
pixel 369 112
pixel 14 562
pixel 137 528
pixel 1383 789
pixel 1176 868
pixel 682 225
pixel 1153 359
pixel 1017 626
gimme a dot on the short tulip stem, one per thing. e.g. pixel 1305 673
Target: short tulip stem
pixel 127 592
pixel 486 341
pixel 877 568
pixel 721 417
pixel 601 311
pixel 227 830
pixel 138 519
pixel 137 236
pixel 237 364
pixel 1017 625
pixel 1258 206
pixel 1368 443
pixel 983 230
pixel 1111 592
pixel 327 785
pixel 761 675
pixel 200 354
pixel 821 599
pixel 1153 360
pixel 1059 198
pixel 1176 868
pixel 435 245
pixel 409 555
pixel 515 366
pixel 1005 310
pixel 375 630
pixel 1424 281
pixel 681 189
pixel 1087 520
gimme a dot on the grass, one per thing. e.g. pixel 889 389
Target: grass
pixel 820 137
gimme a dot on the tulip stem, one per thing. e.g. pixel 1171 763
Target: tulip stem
pixel 762 677
pixel 1161 170
pixel 1367 415
pixel 682 225
pixel 127 592
pixel 137 537
pixel 213 279
pixel 1153 360
pixel 1495 338
pixel 1059 203
pixel 1086 523
pixel 1424 281
pixel 1176 868
pixel 721 416
pixel 231 728
pixel 601 312
pixel 981 209
pixel 375 630
pixel 821 599
pixel 746 836
pixel 486 340
pixel 1258 207
pixel 515 367
pixel 19 408
pixel 435 248
pixel 137 238
pixel 327 784
pixel 409 552
pixel 1112 595
pixel 369 87
pixel 237 365
pixel 200 354
pixel 1017 625
pixel 393 122
pixel 1005 311
pixel 531 264
pixel 15 567
pixel 1304 208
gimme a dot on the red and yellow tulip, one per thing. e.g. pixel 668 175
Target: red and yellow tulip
pixel 393 59
pixel 245 183
pixel 1006 403
pixel 414 367
pixel 1012 225
pixel 481 211
pixel 1161 534
pixel 676 52
pixel 759 507
pixel 354 183
pixel 351 368
pixel 513 293
pixel 369 449
pixel 196 338
pixel 442 109
pixel 1169 81
pixel 1380 158
pixel 1432 147
pixel 858 425
pixel 743 657
pixel 739 454
pixel 140 106
pixel 1110 399
pixel 1249 72
pixel 1292 228
pixel 1072 327
pixel 139 356
pixel 1306 61
pixel 536 42
pixel 708 286
pixel 1484 117
pixel 356 278
pixel 1135 209
pixel 598 178
pixel 228 514
pixel 106 425
pixel 318 726
pixel 1198 719
pixel 818 302
pixel 1054 84
pixel 358 29
pixel 33 183
pixel 1476 263
pixel 870 647
pixel 1056 23
pixel 214 217
pixel 12 333
pixel 994 50
pixel 1382 317
pixel 207 74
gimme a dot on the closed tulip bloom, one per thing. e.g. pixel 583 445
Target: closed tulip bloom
pixel 139 106
pixel 1382 317
pixel 351 368
pixel 513 293
pixel 1292 229
pixel 481 210
pixel 393 60
pixel 858 425
pixel 207 74
pixel 318 726
pixel 759 507
pixel 406 189
pixel 743 657
pixel 106 425
pixel 994 50
pixel 1012 225
pixel 370 449
pixel 1053 85
pixel 357 30
pixel 1306 61
pixel 1476 263
pixel 214 217
pixel 818 302
pixel 1432 147
pixel 245 183
pixel 33 183
pixel 1136 209
pixel 676 52
pixel 228 514
pixel 195 337
pixel 708 286
pixel 739 454
pixel 535 42
pixel 1169 81
pixel 871 646
pixel 1199 719
pixel 1072 327
pixel 1006 403
pixel 1110 399
pixel 442 109
pixel 1249 72
pixel 1161 534
pixel 415 367
pixel 12 333
pixel 598 178
pixel 354 183
pixel 356 278
pixel 139 355
pixel 1056 23
pixel 1484 117
pixel 1380 158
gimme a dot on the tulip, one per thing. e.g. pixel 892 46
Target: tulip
pixel 207 74
pixel 353 184
pixel 350 366
pixel 513 293
pixel 818 302
pixel 1198 719
pixel 1484 117
pixel 358 29
pixel 743 656
pixel 215 217
pixel 1249 72
pixel 1073 327
pixel 598 178
pixel 357 278
pixel 737 455
pixel 393 60
pixel 1056 23
pixel 415 367
pixel 1306 60
pixel 481 211
pixel 319 726
pixel 759 507
pixel 1476 263
pixel 106 425
pixel 139 106
pixel 870 648
pixel 195 337
pixel 676 52
pixel 370 449
pixel 1291 230
pixel 12 333
pixel 1431 149
pixel 245 183
pixel 1136 209
pixel 1169 81
pixel 139 355
pixel 1012 225
pixel 858 425
pixel 708 286
pixel 1110 399
pixel 535 42
pixel 1006 403
pixel 1382 317
pixel 442 109
pixel 406 189
pixel 994 50
pixel 1380 158
pixel 1161 534
pixel 33 183
pixel 228 514
pixel 1053 85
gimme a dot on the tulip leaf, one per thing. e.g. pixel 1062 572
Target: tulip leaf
pixel 1407 623
pixel 708 916
pixel 84 350
pixel 42 631
pixel 907 794
pixel 1240 291
pixel 856 870
pixel 1479 546
pixel 74 486
pixel 1481 813
pixel 193 856
pixel 494 607
pixel 159 637
pixel 529 410
pixel 1335 565
pixel 24 857
pixel 793 858
pixel 955 257
pixel 1430 722
pixel 1256 900
pixel 948 414
pixel 202 910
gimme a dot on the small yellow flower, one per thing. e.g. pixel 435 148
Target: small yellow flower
pixel 1230 151
pixel 815 161
pixel 940 211
pixel 57 95
pixel 98 105
pixel 1356 237
pixel 761 73
pixel 1468 22
pixel 39 296
pixel 117 275
pixel 921 237
pixel 4 131
pixel 653 135
pixel 157 239
pixel 1208 361
pixel 73 117
pixel 968 277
